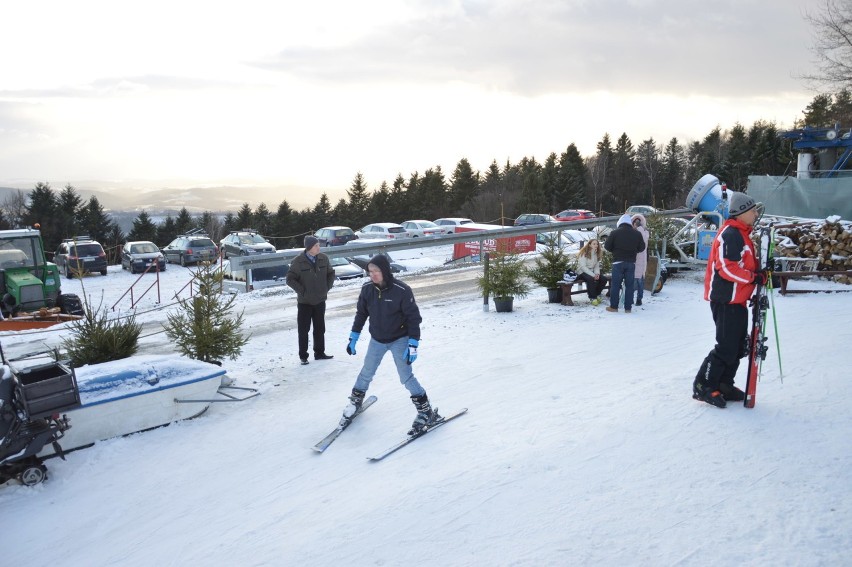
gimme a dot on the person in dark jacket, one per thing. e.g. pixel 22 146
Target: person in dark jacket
pixel 394 327
pixel 623 243
pixel 728 284
pixel 311 276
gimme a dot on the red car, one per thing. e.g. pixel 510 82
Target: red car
pixel 575 214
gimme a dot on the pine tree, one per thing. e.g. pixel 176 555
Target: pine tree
pixel 166 232
pixel 143 228
pixel 68 208
pixel 672 176
pixel 736 163
pixel 262 219
pixel 359 201
pixel 41 210
pixel 550 184
pixel 433 194
pixel 532 193
pixel 463 185
pixel 203 327
pixel 321 213
pixel 624 174
pixel 245 218
pixel 95 222
pixel 184 221
pixel 572 177
pixel 98 337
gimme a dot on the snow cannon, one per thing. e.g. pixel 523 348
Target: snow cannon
pixel 708 195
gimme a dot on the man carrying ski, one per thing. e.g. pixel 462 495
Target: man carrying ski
pixel 732 272
pixel 395 328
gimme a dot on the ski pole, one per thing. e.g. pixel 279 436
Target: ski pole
pixel 772 300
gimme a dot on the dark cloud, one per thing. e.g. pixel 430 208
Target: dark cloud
pixel 742 48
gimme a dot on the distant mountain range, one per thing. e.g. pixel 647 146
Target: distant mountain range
pixel 196 200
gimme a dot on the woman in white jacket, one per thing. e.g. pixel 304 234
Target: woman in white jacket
pixel 589 270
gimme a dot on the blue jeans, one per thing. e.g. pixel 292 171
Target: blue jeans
pixel 375 353
pixel 622 272
pixel 639 284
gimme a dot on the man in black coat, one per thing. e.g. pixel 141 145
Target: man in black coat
pixel 623 243
pixel 311 276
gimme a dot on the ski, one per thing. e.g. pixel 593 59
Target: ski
pixel 344 423
pixel 411 438
pixel 759 305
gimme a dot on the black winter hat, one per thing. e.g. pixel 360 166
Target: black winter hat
pixel 310 242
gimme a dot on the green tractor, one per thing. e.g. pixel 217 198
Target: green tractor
pixel 27 280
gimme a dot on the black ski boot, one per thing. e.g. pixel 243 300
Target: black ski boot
pixel 731 392
pixel 426 416
pixel 355 401
pixel 703 394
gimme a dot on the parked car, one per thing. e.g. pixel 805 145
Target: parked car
pixel 244 243
pixel 452 222
pixel 261 278
pixel 190 249
pixel 138 255
pixel 362 262
pixel 383 230
pixel 346 270
pixel 80 255
pixel 641 209
pixel 574 214
pixel 533 218
pixel 423 228
pixel 335 235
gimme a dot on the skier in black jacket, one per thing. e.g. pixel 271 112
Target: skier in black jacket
pixel 395 327
pixel 623 243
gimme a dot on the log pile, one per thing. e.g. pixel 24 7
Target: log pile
pixel 828 241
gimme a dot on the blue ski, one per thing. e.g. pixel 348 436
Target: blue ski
pixel 344 423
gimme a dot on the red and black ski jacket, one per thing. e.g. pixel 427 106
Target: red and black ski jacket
pixel 731 266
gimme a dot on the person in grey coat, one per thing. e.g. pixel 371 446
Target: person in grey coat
pixel 640 224
pixel 311 276
pixel 623 243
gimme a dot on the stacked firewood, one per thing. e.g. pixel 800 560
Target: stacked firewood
pixel 829 242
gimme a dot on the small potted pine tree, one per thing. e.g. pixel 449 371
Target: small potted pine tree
pixel 550 267
pixel 504 279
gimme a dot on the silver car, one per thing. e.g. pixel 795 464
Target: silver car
pixel 140 255
pixel 423 228
pixel 346 270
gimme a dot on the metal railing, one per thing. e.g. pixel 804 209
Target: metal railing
pixel 354 248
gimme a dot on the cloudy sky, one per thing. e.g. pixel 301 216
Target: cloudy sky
pixel 190 93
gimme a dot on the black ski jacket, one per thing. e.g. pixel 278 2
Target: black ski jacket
pixel 392 311
pixel 624 243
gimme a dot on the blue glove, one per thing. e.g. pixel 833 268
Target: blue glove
pixel 411 355
pixel 353 338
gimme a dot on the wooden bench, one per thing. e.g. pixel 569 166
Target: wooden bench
pixel 786 276
pixel 568 290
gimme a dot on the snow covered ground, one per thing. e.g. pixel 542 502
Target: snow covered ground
pixel 582 445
